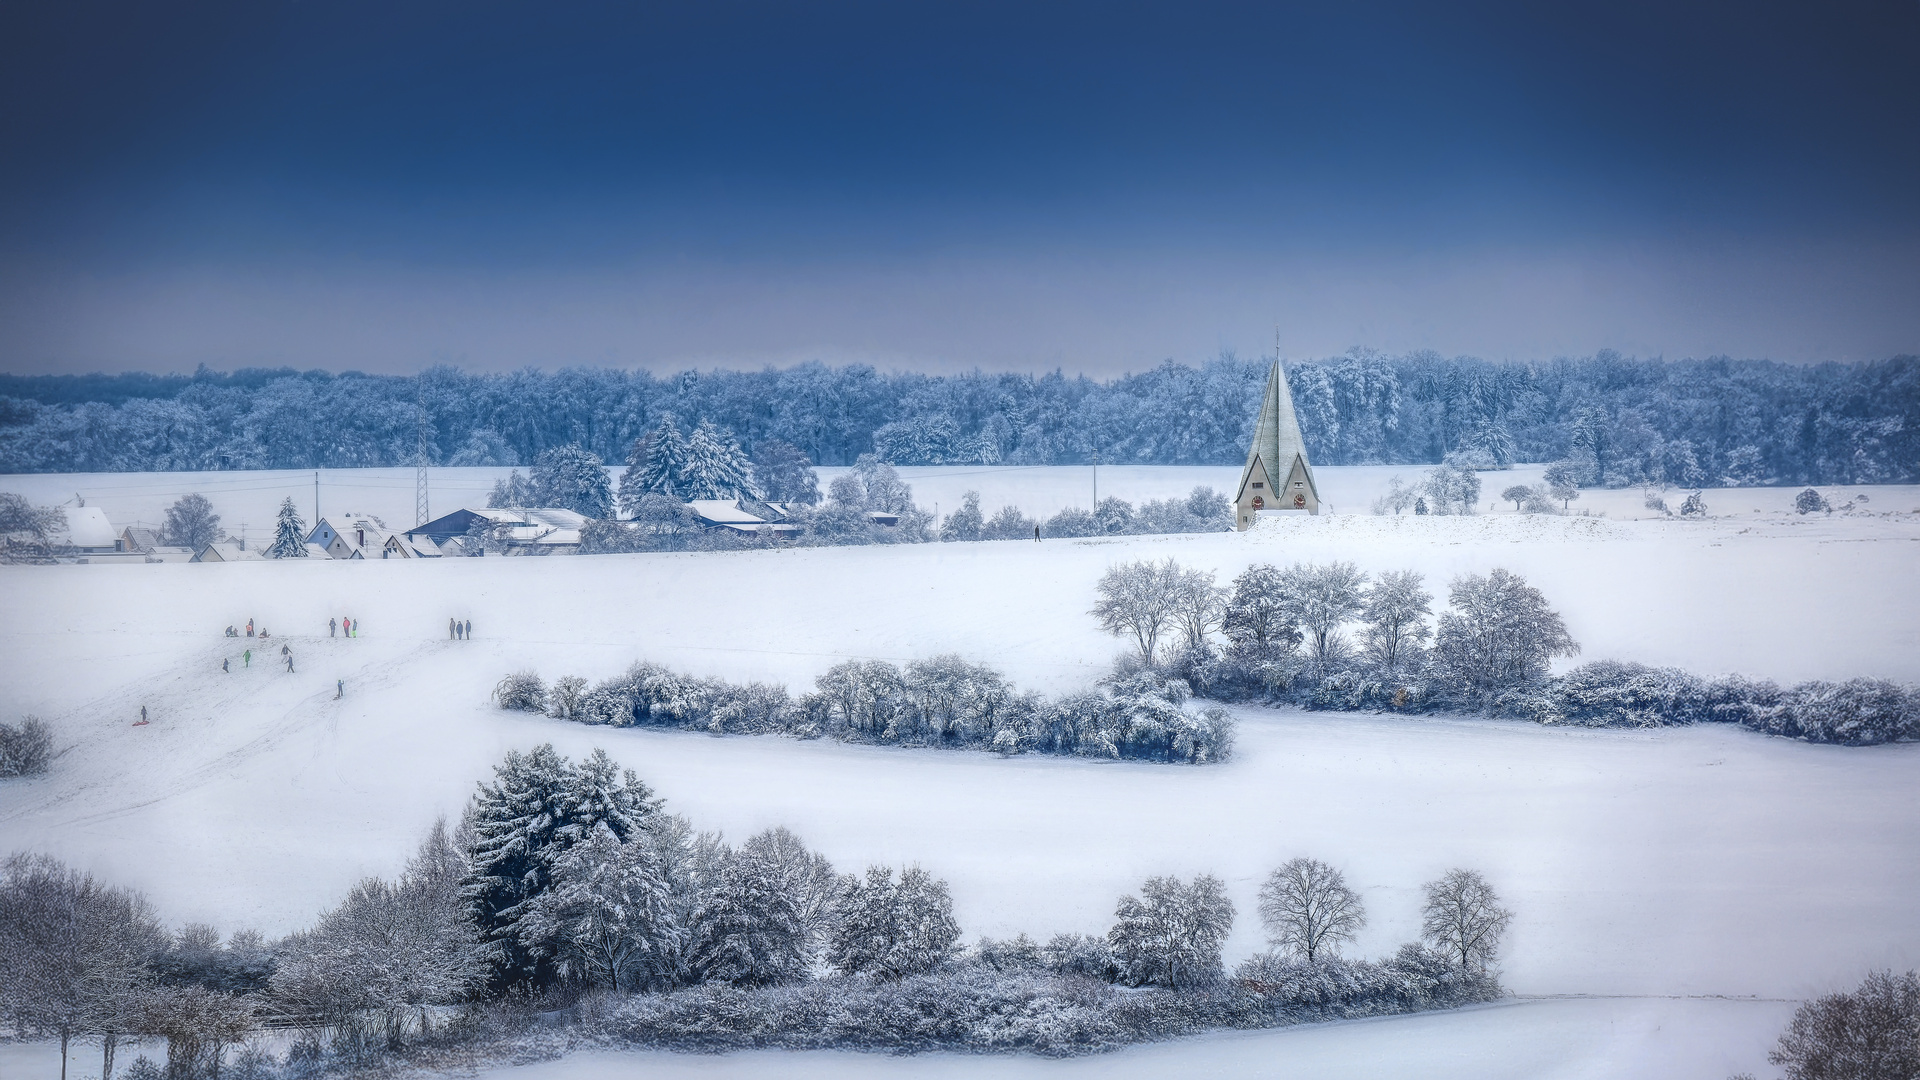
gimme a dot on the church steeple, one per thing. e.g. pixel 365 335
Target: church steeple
pixel 1277 475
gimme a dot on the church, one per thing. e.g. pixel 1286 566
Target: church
pixel 1278 476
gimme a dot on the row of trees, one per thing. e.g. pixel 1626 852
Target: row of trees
pixel 1498 632
pixel 941 701
pixel 1620 421
pixel 568 875
pixel 1328 636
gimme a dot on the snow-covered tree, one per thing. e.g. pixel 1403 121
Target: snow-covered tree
pixel 390 948
pixel 1321 599
pixel 289 534
pixel 716 467
pixel 1395 614
pixel 804 875
pixel 657 464
pixel 892 929
pixel 1499 632
pixel 1197 606
pixel 1308 909
pixel 1116 516
pixel 1810 502
pixel 1256 618
pixel 572 477
pixel 512 491
pixel 748 929
pixel 1171 934
pixel 539 805
pixel 1463 918
pixel 966 523
pixel 191 523
pixel 614 914
pixel 784 474
pixel 1872 1033
pixel 1563 480
pixel 73 953
pixel 1398 497
pixel 1140 599
pixel 1453 489
pixel 1694 506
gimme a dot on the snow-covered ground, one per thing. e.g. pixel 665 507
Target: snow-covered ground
pixel 1677 862
pixel 249 500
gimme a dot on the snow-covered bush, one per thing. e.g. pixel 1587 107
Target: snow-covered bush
pixel 1810 502
pixel 891 929
pixel 1609 693
pixel 26 749
pixel 1858 712
pixel 941 701
pixel 522 690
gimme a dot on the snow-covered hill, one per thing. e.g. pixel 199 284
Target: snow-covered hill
pixel 1693 861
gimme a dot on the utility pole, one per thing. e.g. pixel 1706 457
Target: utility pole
pixel 316 496
pixel 420 478
pixel 1096 481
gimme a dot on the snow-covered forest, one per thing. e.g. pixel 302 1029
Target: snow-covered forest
pixel 1625 421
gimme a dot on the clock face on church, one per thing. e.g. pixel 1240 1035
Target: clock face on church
pixel 1258 502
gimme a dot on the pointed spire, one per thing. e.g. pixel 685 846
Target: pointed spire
pixel 1277 460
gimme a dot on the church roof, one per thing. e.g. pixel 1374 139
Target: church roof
pixel 1276 436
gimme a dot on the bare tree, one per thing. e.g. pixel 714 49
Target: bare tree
pixel 1395 614
pixel 1321 599
pixel 198 1025
pixel 1870 1034
pixel 1463 918
pixel 1197 606
pixel 1139 598
pixel 1308 909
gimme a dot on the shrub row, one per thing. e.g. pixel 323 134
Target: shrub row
pixel 975 1007
pixel 1605 693
pixel 943 701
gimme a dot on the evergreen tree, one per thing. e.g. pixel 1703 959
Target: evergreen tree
pixel 537 808
pixel 289 534
pixel 574 478
pixel 663 466
pixel 716 467
pixel 191 523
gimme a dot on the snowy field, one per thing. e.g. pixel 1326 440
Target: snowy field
pixel 1655 865
pixel 248 500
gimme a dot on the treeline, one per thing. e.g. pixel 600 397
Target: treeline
pixel 569 891
pixel 1333 637
pixel 940 702
pixel 1625 421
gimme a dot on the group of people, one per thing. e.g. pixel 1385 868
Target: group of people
pixel 344 626
pixel 231 632
pixel 460 629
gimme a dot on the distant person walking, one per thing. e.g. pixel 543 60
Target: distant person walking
pixel 249 627
pixel 1036 534
pixel 339 689
pixel 246 658
pixel 468 632
pixel 346 626
pixel 332 625
pixel 224 667
pixel 289 665
pixel 452 630
pixel 143 714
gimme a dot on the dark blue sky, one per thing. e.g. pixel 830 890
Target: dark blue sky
pixel 1089 185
